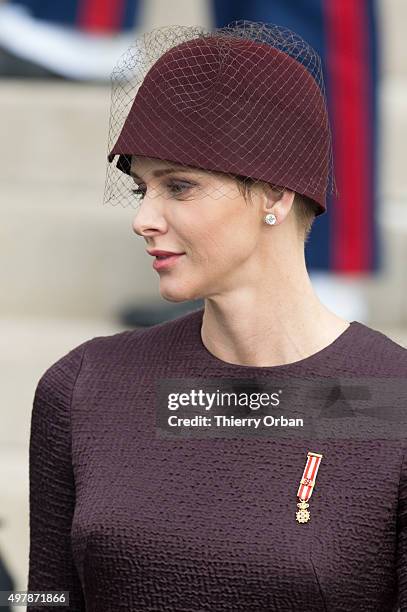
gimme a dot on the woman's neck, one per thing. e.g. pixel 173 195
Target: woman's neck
pixel 263 328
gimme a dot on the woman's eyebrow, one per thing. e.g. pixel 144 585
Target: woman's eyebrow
pixel 164 171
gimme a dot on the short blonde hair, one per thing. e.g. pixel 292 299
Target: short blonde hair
pixel 304 208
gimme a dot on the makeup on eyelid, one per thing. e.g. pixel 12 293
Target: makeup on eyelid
pixel 175 183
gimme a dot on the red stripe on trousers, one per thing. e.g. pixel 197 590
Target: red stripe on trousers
pixel 348 69
pixel 101 15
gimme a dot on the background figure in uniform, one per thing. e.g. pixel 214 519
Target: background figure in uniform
pixel 74 39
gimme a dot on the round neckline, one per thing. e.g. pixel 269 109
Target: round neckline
pixel 315 357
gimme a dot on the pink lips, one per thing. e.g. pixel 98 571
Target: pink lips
pixel 161 264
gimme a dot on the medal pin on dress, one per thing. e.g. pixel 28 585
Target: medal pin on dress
pixel 306 487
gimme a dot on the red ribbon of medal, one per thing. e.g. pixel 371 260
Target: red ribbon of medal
pixel 307 484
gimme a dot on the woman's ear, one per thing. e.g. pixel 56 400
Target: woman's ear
pixel 278 200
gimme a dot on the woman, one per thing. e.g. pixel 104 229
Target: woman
pixel 226 152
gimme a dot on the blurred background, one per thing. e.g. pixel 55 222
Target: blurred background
pixel 73 269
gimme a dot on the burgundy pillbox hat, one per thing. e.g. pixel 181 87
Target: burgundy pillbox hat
pixel 236 104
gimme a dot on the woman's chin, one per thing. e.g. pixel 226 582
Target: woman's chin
pixel 176 293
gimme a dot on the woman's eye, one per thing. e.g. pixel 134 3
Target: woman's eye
pixel 178 188
pixel 140 192
pixel 174 187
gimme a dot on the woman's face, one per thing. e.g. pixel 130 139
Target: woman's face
pixel 202 215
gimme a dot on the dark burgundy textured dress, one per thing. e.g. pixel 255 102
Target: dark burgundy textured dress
pixel 125 520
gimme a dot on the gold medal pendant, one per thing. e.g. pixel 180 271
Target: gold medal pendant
pixel 306 487
pixel 302 515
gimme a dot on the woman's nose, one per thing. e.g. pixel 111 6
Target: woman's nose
pixel 145 223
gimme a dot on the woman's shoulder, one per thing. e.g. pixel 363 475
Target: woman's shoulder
pixel 375 348
pixel 168 333
pixel 377 335
pixel 135 344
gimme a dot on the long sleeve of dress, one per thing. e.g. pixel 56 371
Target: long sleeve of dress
pixel 51 484
pixel 402 537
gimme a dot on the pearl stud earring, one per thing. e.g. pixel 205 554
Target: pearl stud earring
pixel 270 219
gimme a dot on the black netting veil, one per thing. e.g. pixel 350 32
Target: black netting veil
pixel 247 100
